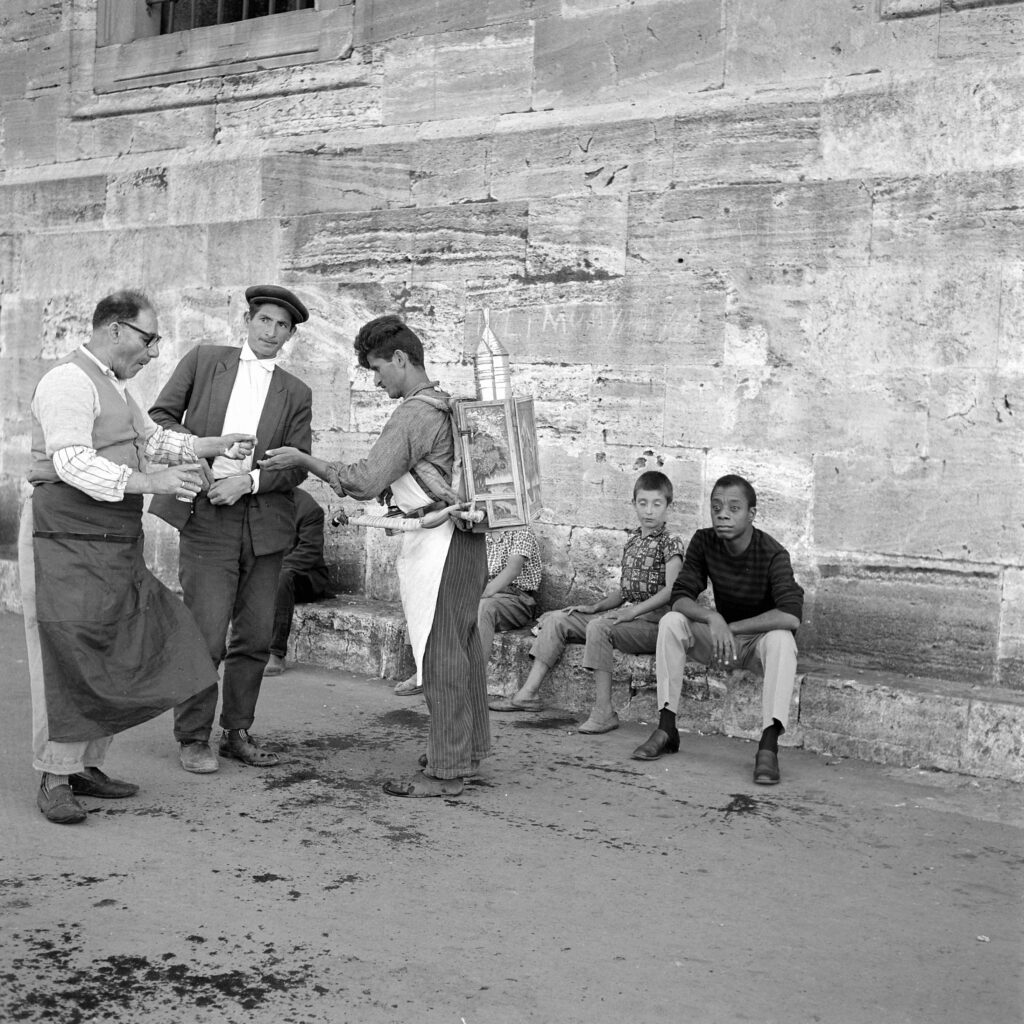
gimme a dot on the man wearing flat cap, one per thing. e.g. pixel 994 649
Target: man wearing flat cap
pixel 235 533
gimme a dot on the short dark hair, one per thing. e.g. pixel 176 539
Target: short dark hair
pixel 122 305
pixel 732 480
pixel 384 337
pixel 652 480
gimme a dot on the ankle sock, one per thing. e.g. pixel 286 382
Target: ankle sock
pixel 51 781
pixel 770 737
pixel 667 721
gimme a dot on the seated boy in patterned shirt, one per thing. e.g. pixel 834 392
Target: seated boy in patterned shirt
pixel 625 619
pixel 513 575
pixel 758 606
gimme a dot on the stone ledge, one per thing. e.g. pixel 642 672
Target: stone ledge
pixel 875 716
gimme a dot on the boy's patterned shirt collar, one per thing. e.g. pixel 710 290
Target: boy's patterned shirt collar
pixel 643 562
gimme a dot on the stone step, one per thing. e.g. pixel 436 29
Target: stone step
pixel 876 716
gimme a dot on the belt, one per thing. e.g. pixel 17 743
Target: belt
pixel 417 513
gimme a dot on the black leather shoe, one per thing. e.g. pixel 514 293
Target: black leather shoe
pixel 93 782
pixel 59 805
pixel 658 743
pixel 766 768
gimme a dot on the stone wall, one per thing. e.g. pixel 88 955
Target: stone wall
pixel 763 236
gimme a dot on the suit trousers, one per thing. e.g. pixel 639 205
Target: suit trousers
pixel 774 653
pixel 454 670
pixel 231 593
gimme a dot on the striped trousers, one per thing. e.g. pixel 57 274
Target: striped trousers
pixel 454 668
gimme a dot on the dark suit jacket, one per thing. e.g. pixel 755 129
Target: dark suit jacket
pixel 306 556
pixel 195 400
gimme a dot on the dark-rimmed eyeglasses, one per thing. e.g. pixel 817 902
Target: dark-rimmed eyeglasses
pixel 148 339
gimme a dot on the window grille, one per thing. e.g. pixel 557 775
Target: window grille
pixel 181 15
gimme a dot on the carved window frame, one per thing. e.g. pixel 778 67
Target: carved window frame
pixel 130 53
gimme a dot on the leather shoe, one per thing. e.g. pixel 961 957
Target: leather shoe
pixel 766 768
pixel 658 743
pixel 93 782
pixel 196 756
pixel 59 805
pixel 239 745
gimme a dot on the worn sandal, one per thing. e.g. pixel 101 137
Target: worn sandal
pixel 511 704
pixel 242 747
pixel 421 785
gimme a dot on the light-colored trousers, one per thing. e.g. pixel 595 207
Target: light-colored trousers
pixel 47 756
pixel 774 653
pixel 601 636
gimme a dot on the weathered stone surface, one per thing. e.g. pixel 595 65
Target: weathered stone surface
pixel 10 585
pixel 331 635
pixel 979 216
pixel 44 204
pixel 628 404
pixel 380 20
pixel 14 72
pixel 10 248
pixel 429 245
pixel 994 744
pixel 789 40
pixel 991 32
pixel 240 252
pixel 662 320
pixel 30 131
pixel 595 157
pixel 148 131
pixel 49 62
pixel 25 19
pixel 1010 672
pixel 1010 353
pixel 138 197
pixel 936 123
pixel 348 182
pixel 203 193
pixel 801 223
pixel 576 236
pixel 860 506
pixel 628 52
pixel 755 142
pixel 487 71
pixel 901 619
pixel 884 719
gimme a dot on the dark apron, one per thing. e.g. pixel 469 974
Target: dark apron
pixel 118 648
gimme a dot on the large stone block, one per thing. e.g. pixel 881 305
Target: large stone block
pixel 752 142
pixel 452 169
pixel 630 52
pixel 147 131
pixel 14 68
pixel 933 123
pixel 917 621
pixel 24 20
pixel 993 32
pixel 656 320
pixel 1010 672
pixel 49 65
pixel 628 406
pixel 790 40
pixel 994 743
pixel 206 193
pixel 241 252
pixel 353 181
pixel 31 130
pixel 884 719
pixel 429 245
pixel 65 202
pixel 380 20
pixel 595 157
pixel 368 638
pixel 978 216
pixel 801 223
pixel 973 413
pixel 91 259
pixel 443 77
pixel 860 506
pixel 138 197
pixel 583 237
pixel 561 398
pixel 1010 353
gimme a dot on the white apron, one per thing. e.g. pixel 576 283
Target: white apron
pixel 420 565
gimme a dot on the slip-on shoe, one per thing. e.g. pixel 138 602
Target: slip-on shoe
pixel 511 704
pixel 595 726
pixel 766 768
pixel 275 666
pixel 93 782
pixel 408 687
pixel 658 743
pixel 59 805
pixel 197 757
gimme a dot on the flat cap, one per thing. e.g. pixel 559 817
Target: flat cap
pixel 279 297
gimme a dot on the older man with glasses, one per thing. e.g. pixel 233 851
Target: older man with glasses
pixel 108 645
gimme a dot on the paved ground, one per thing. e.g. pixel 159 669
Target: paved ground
pixel 569 884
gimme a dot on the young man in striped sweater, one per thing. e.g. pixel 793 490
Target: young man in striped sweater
pixel 758 606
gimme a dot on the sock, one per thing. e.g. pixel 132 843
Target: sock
pixel 51 782
pixel 667 721
pixel 770 737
